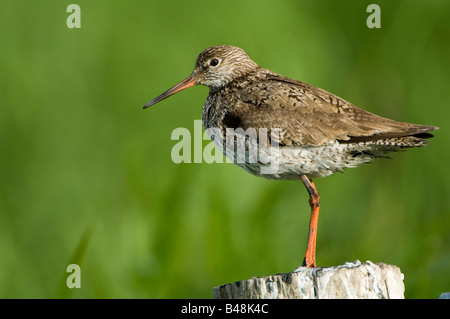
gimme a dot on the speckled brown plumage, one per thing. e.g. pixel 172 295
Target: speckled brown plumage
pixel 305 131
pixel 306 115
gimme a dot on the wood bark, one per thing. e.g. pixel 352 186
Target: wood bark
pixel 353 280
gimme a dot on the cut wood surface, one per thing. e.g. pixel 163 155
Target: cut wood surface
pixel 354 280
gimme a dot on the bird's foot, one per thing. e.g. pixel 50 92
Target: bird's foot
pixel 309 263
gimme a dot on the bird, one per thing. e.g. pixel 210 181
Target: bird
pixel 279 128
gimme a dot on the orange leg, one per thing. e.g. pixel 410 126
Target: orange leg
pixel 314 203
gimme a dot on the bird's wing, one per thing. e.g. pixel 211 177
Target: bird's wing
pixel 301 114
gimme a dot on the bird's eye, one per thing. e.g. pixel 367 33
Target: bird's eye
pixel 214 62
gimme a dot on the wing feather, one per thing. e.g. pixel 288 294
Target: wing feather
pixel 306 115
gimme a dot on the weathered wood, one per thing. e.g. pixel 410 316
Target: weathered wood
pixel 353 280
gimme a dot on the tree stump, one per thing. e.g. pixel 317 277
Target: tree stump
pixel 353 280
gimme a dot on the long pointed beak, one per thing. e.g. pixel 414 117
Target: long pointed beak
pixel 191 80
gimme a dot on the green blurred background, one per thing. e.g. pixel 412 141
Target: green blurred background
pixel 79 155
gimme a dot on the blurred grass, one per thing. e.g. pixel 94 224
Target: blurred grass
pixel 75 146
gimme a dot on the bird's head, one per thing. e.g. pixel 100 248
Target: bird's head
pixel 215 67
